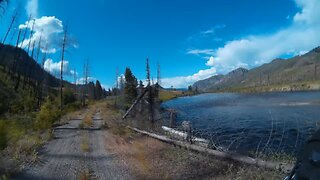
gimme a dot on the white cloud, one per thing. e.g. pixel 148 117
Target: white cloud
pixel 49 28
pixel 32 8
pixel 83 80
pixel 213 29
pixel 253 50
pixel 55 68
pixel 302 35
pixel 201 51
pixel 209 31
pixel 184 81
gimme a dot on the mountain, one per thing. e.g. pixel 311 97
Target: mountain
pixel 18 60
pixel 297 73
pixel 24 84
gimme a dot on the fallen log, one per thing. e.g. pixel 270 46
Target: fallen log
pixel 183 135
pixel 135 102
pixel 236 157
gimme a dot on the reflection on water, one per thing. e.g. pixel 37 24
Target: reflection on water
pixel 268 122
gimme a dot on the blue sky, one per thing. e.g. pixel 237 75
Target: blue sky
pixel 191 40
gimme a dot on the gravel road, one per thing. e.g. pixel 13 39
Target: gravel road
pixel 76 154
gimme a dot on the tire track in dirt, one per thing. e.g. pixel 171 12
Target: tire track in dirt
pixel 64 157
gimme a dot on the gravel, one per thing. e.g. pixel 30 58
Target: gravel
pixel 65 158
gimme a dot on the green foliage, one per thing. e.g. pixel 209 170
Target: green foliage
pixel 131 84
pixel 3 135
pixel 3 103
pixel 68 97
pixel 24 103
pixel 73 106
pixel 99 91
pixel 47 115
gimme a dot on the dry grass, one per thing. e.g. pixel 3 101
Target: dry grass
pixel 165 95
pixel 22 152
pixel 84 175
pixel 148 158
pixel 85 143
pixel 87 120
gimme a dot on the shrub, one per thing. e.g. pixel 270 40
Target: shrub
pixel 47 115
pixel 68 97
pixel 23 104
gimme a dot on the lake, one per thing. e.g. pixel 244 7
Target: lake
pixel 250 123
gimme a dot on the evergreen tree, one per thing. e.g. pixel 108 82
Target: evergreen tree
pixel 91 90
pixel 141 84
pixel 131 84
pixel 99 91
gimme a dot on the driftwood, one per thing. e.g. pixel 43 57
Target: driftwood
pixel 183 135
pixel 236 157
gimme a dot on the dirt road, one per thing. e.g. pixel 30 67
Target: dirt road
pixel 77 154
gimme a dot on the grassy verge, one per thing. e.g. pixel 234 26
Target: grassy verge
pixel 298 86
pixel 21 136
pixel 165 95
pixel 148 158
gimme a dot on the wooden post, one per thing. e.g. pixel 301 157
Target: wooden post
pixel 173 116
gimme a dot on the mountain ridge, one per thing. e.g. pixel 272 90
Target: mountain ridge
pixel 298 71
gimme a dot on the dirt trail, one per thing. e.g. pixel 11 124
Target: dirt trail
pixel 77 154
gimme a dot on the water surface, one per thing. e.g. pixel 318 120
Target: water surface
pixel 267 122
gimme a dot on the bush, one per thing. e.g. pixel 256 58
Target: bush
pixel 23 104
pixel 68 97
pixel 3 135
pixel 73 107
pixel 47 115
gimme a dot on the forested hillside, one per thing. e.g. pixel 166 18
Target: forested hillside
pixel 21 76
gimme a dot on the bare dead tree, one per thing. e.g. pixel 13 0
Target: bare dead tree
pixel 85 81
pixel 15 65
pixel 33 47
pixel 25 32
pixel 74 76
pixel 87 72
pixel 150 94
pixel 117 76
pixel 43 79
pixel 39 49
pixel 158 75
pixel 14 17
pixel 31 34
pixel 61 68
pixel 15 54
pixel 83 88
pixel 148 71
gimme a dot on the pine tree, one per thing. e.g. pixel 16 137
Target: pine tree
pixel 99 90
pixel 131 84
